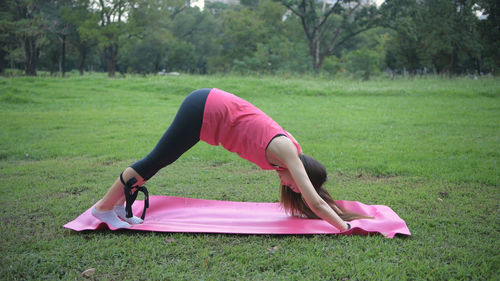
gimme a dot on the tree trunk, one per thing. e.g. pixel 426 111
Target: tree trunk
pixel 157 64
pixel 316 55
pixel 314 46
pixel 60 66
pixel 62 61
pixel 451 65
pixel 30 56
pixel 111 67
pixel 83 57
pixel 111 61
pixel 55 62
pixel 110 54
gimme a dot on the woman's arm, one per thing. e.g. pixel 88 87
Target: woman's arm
pixel 285 151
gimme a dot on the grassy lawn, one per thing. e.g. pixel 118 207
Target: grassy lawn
pixel 428 148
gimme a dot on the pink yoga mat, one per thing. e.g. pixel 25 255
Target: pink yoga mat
pixel 176 214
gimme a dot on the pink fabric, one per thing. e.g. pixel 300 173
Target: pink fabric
pixel 240 127
pixel 176 214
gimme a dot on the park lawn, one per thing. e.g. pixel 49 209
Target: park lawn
pixel 426 147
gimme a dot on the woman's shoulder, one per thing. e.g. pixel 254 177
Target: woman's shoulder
pixel 281 150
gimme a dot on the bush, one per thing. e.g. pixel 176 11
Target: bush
pixel 333 65
pixel 363 63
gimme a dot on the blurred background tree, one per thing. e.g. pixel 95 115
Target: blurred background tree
pixel 350 37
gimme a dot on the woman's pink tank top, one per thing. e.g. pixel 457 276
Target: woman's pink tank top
pixel 240 127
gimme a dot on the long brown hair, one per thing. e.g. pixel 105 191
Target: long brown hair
pixel 295 205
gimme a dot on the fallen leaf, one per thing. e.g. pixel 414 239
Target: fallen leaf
pixel 89 272
pixel 444 194
pixel 170 240
pixel 272 250
pixel 440 200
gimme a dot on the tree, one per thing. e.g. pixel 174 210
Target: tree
pixel 330 24
pixel 404 49
pixel 489 27
pixel 435 34
pixel 450 35
pixel 240 32
pixel 198 31
pixel 7 40
pixel 107 24
pixel 24 24
pixel 57 32
pixel 75 15
pixel 112 23
pixel 363 62
pixel 279 46
pixel 148 53
pixel 156 36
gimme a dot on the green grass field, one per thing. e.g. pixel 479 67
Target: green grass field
pixel 429 148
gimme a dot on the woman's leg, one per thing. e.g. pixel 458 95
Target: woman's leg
pixel 115 195
pixel 110 208
pixel 183 133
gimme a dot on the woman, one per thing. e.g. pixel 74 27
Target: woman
pixel 218 117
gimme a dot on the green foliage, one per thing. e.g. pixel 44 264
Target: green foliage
pixel 440 36
pixel 242 32
pixel 333 65
pixel 363 63
pixel 402 143
pixel 490 34
pixel 25 28
pixel 329 25
pixel 258 36
pixel 149 53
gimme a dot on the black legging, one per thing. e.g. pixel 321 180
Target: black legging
pixel 183 133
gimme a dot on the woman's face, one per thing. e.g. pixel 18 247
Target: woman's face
pixel 287 180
